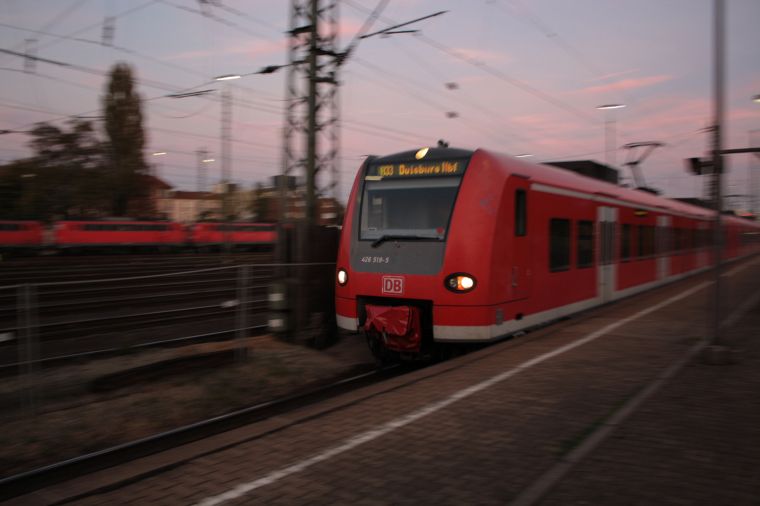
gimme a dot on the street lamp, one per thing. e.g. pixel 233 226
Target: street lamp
pixel 203 159
pixel 156 168
pixel 524 155
pixel 609 132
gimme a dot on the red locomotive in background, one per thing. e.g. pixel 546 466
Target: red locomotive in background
pixel 144 234
pixel 21 235
pixel 131 235
pixel 446 245
pixel 216 235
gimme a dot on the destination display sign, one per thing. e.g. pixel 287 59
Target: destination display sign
pixel 417 169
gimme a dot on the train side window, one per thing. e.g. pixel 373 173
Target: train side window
pixel 559 245
pixel 585 243
pixel 625 243
pixel 646 241
pixel 520 213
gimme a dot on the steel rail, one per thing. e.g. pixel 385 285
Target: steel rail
pixel 15 485
pixel 211 269
pixel 136 315
pixel 209 336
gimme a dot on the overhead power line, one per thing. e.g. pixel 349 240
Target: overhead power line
pixel 98 25
pixel 209 15
pixel 531 90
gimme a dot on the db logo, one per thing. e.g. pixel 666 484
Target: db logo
pixel 393 285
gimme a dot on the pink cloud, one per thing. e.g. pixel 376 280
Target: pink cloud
pixel 481 54
pixel 670 115
pixel 254 49
pixel 348 27
pixel 614 75
pixel 626 84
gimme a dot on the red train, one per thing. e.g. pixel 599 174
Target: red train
pixel 21 235
pixel 448 245
pixel 129 234
pixel 216 235
pixel 100 235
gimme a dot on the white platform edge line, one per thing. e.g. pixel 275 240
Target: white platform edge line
pixel 402 421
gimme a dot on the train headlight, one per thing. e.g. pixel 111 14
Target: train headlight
pixel 460 282
pixel 342 277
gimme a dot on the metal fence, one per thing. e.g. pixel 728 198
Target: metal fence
pixel 128 348
pixel 47 324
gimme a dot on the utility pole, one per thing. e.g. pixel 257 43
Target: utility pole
pixel 310 147
pixel 226 150
pixel 717 175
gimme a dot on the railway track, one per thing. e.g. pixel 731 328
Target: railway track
pixel 52 269
pixel 58 302
pixel 36 479
pixel 90 318
pixel 66 353
pixel 93 336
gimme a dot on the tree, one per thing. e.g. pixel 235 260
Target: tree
pixel 259 204
pixel 64 177
pixel 123 124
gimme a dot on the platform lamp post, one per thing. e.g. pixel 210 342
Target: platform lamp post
pixel 156 167
pixel 610 134
pixel 226 145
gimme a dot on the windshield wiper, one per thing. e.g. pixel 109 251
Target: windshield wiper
pixel 394 237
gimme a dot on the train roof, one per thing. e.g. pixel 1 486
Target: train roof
pixel 574 182
pixel 432 154
pixel 557 178
pixel 118 221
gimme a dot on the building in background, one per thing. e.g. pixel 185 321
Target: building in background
pixel 187 207
pixel 265 204
pixel 259 204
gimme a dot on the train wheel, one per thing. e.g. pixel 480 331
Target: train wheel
pixel 383 356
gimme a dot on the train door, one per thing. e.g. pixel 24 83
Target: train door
pixel 663 247
pixel 606 269
pixel 521 275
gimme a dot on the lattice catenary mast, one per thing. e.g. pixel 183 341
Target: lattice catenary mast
pixel 311 132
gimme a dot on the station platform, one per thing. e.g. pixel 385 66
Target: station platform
pixel 621 405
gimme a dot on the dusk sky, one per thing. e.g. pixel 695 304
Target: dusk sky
pixel 529 75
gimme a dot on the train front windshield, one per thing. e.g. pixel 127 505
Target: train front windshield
pixel 415 208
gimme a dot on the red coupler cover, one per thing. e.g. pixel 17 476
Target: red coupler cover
pixel 399 326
